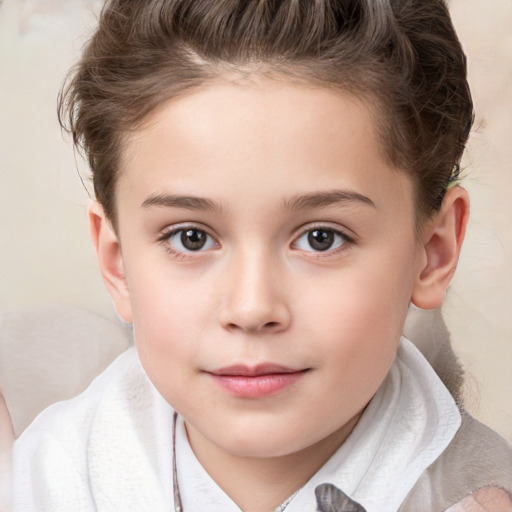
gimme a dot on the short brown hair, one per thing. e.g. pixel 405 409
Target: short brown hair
pixel 402 53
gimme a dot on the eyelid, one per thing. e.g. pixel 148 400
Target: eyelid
pixel 169 231
pixel 328 226
pixel 349 240
pixel 181 226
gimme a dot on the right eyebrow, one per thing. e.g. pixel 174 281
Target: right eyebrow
pixel 181 201
pixel 324 199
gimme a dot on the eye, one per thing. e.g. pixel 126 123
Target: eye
pixel 320 240
pixel 190 240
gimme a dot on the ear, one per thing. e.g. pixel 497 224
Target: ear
pixel 110 259
pixel 441 245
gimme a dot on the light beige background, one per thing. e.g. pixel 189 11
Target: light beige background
pixel 45 254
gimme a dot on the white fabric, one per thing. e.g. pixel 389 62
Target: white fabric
pixel 108 450
pixel 111 448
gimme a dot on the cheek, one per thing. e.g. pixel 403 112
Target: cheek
pixel 167 331
pixel 359 313
pixel 163 297
pixel 170 314
pixel 365 297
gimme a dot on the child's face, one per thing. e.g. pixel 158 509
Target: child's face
pixel 262 231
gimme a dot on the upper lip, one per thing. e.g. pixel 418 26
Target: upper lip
pixel 254 371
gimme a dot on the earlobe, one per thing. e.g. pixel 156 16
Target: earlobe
pixel 110 260
pixel 441 246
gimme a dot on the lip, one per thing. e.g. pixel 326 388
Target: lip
pixel 240 370
pixel 258 381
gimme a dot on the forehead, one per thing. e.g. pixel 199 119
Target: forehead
pixel 270 111
pixel 225 139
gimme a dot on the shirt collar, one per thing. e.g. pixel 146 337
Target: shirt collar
pixel 409 422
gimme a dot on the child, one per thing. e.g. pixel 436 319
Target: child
pixel 276 182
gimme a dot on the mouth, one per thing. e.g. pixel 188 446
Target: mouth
pixel 254 371
pixel 256 381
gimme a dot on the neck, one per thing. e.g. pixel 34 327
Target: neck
pixel 260 484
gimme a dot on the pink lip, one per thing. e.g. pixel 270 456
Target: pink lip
pixel 255 381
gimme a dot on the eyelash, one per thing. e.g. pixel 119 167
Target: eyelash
pixel 345 242
pixel 168 234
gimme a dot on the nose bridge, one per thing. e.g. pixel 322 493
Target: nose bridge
pixel 254 300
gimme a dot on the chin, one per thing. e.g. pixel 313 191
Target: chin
pixel 256 449
pixel 264 443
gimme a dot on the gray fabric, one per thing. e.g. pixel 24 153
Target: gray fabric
pixel 428 331
pixel 476 458
pixel 331 499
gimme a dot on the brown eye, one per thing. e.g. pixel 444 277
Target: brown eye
pixel 193 239
pixel 190 240
pixel 320 240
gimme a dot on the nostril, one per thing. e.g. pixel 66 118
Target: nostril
pixel 269 326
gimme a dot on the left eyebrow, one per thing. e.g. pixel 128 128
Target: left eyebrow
pixel 323 199
pixel 181 201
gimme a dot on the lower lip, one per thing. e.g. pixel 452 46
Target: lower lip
pixel 257 386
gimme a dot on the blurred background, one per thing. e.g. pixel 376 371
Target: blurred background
pixel 45 253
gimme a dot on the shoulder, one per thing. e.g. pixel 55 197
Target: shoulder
pixel 486 456
pixel 72 416
pixel 489 499
pixel 57 446
pixel 475 470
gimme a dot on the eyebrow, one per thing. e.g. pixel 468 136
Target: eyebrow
pixel 179 201
pixel 323 199
pixel 295 203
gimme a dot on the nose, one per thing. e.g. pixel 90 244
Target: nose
pixel 254 298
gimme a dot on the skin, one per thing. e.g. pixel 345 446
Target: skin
pixel 270 161
pixel 485 500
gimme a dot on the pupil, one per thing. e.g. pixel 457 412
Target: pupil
pixel 320 240
pixel 193 239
